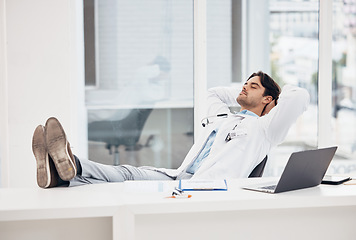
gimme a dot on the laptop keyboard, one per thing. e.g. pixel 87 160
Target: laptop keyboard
pixel 272 187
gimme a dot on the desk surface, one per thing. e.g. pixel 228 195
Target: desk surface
pixel 103 200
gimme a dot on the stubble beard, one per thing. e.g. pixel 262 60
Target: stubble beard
pixel 242 102
pixel 245 103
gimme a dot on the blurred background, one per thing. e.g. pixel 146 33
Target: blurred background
pixel 139 60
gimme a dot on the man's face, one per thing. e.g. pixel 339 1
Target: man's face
pixel 251 95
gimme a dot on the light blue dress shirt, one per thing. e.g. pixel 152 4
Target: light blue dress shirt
pixel 204 153
pixel 247 112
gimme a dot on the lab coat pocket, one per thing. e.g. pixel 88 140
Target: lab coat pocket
pixel 236 134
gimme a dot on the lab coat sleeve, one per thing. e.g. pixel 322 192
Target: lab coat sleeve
pixel 219 99
pixel 292 103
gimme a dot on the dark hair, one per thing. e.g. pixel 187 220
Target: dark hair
pixel 271 87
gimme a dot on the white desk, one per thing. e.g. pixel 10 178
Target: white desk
pixel 108 211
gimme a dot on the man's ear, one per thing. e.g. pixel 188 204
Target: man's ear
pixel 267 99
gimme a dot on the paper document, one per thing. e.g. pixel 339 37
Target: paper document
pixel 351 182
pixel 196 185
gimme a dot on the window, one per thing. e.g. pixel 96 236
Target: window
pixel 344 85
pixel 140 103
pixel 277 37
pixel 294 57
pixel 136 39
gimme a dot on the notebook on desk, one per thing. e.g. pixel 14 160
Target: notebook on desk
pixel 304 169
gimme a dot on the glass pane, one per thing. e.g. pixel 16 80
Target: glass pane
pixel 294 57
pixel 277 37
pixel 344 85
pixel 219 51
pixel 140 111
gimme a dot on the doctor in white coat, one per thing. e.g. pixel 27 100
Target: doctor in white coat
pixel 231 145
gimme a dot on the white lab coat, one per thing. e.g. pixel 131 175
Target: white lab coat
pixel 256 135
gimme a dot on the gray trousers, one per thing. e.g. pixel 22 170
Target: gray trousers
pixel 93 172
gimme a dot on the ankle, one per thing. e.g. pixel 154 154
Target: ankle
pixel 78 164
pixel 62 183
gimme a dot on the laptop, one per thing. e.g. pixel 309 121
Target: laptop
pixel 304 169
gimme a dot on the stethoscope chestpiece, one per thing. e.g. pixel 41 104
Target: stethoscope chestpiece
pixel 205 121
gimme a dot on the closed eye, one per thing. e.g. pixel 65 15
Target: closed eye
pixel 254 85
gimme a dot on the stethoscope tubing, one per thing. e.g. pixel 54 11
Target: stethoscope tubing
pixel 208 120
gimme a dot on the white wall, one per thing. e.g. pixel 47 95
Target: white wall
pixel 3 98
pixel 42 75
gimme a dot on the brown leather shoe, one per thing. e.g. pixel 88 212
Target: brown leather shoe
pixel 59 149
pixel 47 175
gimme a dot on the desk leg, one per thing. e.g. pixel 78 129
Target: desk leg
pixel 123 224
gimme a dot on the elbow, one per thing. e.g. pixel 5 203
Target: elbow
pixel 299 95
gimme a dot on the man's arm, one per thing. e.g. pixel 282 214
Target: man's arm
pixel 219 99
pixel 292 102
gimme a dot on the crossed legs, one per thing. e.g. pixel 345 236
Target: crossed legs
pixel 54 158
pixel 57 166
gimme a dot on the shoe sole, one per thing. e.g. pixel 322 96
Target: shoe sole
pixel 58 149
pixel 42 160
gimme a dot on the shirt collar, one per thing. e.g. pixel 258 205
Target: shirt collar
pixel 247 112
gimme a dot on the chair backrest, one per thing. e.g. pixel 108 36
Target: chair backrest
pixel 258 170
pixel 129 129
pixel 126 131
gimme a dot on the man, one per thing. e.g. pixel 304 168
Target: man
pixel 231 146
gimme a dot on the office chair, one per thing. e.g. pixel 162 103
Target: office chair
pixel 124 132
pixel 258 170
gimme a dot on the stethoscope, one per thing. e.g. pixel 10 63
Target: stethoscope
pixel 233 133
pixel 208 120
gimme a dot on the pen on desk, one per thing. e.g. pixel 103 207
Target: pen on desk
pixel 181 196
pixel 179 193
